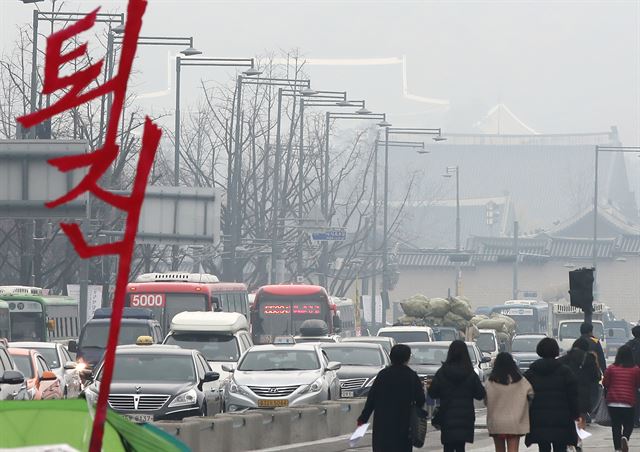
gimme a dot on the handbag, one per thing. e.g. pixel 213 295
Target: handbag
pixel 418 426
pixel 436 418
pixel 600 413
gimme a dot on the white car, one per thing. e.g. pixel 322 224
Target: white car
pixel 270 376
pixel 404 334
pixel 60 362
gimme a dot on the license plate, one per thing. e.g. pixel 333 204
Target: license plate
pixel 273 403
pixel 347 394
pixel 140 418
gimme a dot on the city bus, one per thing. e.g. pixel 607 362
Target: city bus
pixel 5 323
pixel 40 318
pixel 278 310
pixel 167 294
pixel 531 316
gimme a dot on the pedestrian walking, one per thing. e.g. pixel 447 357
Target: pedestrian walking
pixel 584 366
pixel 635 349
pixel 554 409
pixel 586 331
pixel 508 396
pixel 456 385
pixel 621 383
pixel 395 391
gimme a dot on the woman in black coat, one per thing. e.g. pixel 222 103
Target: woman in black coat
pixel 584 366
pixel 456 385
pixel 395 391
pixel 554 408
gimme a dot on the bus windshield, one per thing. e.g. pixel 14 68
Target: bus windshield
pixel 526 318
pixel 282 315
pixel 176 303
pixel 27 326
pixel 571 330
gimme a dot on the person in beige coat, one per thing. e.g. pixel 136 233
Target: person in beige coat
pixel 508 396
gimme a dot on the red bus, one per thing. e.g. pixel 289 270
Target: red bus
pixel 278 310
pixel 167 294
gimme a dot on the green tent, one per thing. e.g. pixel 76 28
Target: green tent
pixel 42 422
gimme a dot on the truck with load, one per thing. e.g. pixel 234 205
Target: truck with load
pixel 567 320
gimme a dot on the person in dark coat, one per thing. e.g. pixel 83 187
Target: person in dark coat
pixel 554 408
pixel 395 390
pixel 634 344
pixel 584 366
pixel 456 385
pixel 586 331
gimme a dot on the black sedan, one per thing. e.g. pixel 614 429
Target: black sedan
pixel 160 382
pixel 360 364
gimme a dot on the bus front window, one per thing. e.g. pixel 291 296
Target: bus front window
pixel 283 315
pixel 27 326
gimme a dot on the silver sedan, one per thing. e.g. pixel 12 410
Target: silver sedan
pixel 60 363
pixel 270 376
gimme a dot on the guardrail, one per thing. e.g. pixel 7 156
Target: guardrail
pixel 263 429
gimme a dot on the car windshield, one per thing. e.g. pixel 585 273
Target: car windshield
pixel 435 354
pixel 354 356
pixel 50 356
pixel 23 362
pixel 153 367
pixel 486 342
pixel 571 330
pixel 524 345
pixel 213 347
pixel 403 337
pixel 95 334
pixel 446 335
pixel 279 360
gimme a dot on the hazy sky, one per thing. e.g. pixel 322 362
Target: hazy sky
pixel 560 66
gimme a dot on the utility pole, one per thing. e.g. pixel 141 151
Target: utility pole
pixel 516 253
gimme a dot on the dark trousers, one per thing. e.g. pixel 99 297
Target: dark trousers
pixel 454 447
pixel 557 447
pixel 621 424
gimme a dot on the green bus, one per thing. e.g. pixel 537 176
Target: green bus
pixel 40 318
pixel 5 325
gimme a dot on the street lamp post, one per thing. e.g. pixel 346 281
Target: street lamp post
pixel 437 136
pixel 450 171
pixel 359 115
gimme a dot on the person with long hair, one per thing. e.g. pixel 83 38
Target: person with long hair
pixel 621 383
pixel 456 385
pixel 554 409
pixel 508 396
pixel 396 389
pixel 584 365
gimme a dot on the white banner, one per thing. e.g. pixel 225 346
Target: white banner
pixel 370 311
pixel 94 297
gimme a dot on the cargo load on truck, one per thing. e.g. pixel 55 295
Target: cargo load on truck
pixel 453 312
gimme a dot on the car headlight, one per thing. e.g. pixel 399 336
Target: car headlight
pixel 316 385
pixel 370 382
pixel 186 398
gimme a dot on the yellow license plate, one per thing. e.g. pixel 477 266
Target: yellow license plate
pixel 273 403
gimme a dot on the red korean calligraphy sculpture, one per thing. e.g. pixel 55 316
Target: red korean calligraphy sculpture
pixel 97 162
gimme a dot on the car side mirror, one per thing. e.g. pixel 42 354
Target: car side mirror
pixel 210 376
pixel 12 377
pixel 47 375
pixel 485 359
pixel 69 365
pixel 334 365
pixel 72 346
pixel 228 368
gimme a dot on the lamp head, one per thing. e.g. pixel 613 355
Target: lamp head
pixel 252 71
pixel 439 138
pixel 384 123
pixel 423 151
pixel 118 29
pixel 308 92
pixel 363 111
pixel 190 51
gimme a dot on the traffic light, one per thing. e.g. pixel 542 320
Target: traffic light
pixel 581 288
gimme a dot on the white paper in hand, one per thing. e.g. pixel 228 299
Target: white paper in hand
pixel 582 434
pixel 358 435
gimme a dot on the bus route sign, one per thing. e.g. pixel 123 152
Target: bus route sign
pixel 337 234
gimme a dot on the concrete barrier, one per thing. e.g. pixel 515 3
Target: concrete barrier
pixel 263 429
